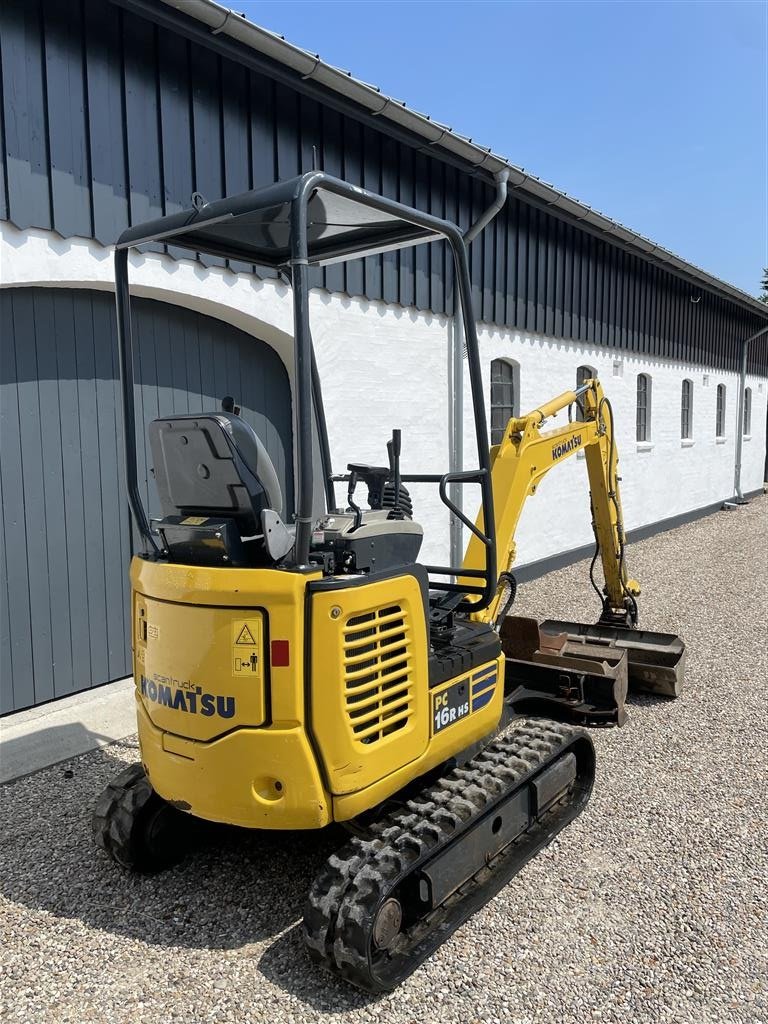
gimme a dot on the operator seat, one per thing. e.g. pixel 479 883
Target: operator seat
pixel 219 493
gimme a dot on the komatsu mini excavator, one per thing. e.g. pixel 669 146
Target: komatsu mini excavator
pixel 296 665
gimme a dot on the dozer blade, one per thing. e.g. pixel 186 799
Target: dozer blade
pixel 383 904
pixel 655 660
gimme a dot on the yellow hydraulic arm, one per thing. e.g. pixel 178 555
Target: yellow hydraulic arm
pixel 525 455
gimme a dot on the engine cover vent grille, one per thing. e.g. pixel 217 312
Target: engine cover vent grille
pixel 378 689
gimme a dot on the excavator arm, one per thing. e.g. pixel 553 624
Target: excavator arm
pixel 526 454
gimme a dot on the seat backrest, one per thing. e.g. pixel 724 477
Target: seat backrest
pixel 213 464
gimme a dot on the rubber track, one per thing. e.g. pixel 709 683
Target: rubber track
pixel 116 812
pixel 343 898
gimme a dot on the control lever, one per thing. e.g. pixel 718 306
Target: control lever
pixel 393 451
pixel 350 498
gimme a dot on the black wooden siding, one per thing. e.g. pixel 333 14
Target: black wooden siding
pixel 65 540
pixel 108 121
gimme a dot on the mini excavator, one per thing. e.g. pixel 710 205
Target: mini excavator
pixel 297 665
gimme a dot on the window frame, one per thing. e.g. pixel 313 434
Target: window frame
pixel 721 398
pixel 746 426
pixel 643 408
pixel 686 410
pixel 512 406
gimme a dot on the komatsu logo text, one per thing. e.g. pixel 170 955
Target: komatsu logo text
pixel 187 697
pixel 566 446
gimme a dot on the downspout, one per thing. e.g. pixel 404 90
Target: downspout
pixel 739 498
pixel 456 374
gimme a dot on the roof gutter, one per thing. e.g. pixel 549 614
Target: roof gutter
pixel 222 21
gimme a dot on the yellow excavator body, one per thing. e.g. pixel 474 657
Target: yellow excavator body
pixel 265 703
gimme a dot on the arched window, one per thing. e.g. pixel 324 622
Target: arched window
pixel 643 407
pixel 720 417
pixel 747 411
pixel 686 410
pixel 583 373
pixel 505 390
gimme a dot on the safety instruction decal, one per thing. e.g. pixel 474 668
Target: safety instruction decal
pixel 245 637
pixel 246 647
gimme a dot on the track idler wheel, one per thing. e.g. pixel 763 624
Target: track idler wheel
pixel 137 828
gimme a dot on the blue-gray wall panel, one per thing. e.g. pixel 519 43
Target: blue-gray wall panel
pixel 66 539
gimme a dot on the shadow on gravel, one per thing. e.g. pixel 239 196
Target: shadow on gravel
pixel 240 887
pixel 286 965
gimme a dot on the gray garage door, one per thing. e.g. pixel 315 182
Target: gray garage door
pixel 66 539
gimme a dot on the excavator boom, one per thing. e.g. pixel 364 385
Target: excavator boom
pixel 595 663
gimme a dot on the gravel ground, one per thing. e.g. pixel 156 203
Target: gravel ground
pixel 652 906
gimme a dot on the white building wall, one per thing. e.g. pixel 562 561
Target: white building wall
pixel 385 366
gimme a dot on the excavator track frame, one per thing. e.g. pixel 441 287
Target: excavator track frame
pixel 382 904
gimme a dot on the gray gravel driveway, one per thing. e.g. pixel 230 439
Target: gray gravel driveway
pixel 651 907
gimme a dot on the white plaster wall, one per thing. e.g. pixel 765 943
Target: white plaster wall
pixel 660 479
pixel 383 367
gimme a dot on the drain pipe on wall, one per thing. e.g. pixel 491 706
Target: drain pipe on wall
pixel 739 498
pixel 456 370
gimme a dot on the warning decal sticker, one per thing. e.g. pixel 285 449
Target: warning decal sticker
pixel 246 647
pixel 245 637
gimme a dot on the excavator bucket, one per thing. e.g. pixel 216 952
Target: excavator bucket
pixel 655 661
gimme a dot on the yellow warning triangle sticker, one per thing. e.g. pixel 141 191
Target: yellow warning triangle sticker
pixel 246 637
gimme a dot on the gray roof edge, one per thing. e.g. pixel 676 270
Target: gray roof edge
pixel 221 20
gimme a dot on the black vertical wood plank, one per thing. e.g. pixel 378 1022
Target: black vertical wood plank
pixel 286 134
pixel 114 569
pixel 533 267
pixel 451 213
pixel 45 342
pixel 142 122
pixel 93 567
pixel 106 140
pixel 475 207
pixel 436 206
pixel 500 235
pixel 389 175
pixel 551 277
pixel 373 265
pixel 488 240
pixel 175 127
pixel 406 257
pixel 568 281
pixel 263 150
pixel 510 277
pixel 631 319
pixel 333 163
pixel 32 460
pixel 522 265
pixel 26 132
pixel 353 172
pixel 207 130
pixel 67 124
pixel 15 535
pixel 576 293
pixel 585 245
pixel 541 272
pixel 74 501
pixel 235 136
pixel 310 135
pixel 421 254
